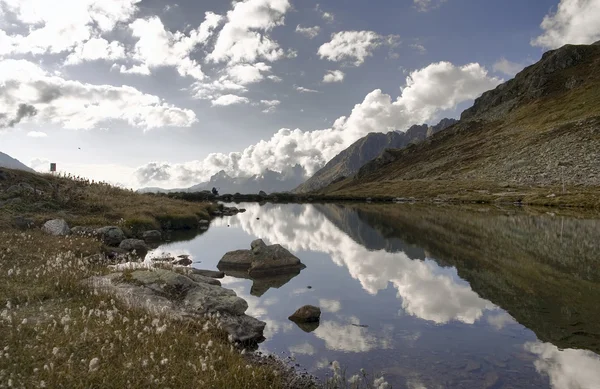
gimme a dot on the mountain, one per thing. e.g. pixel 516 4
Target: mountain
pixel 9 162
pixel 268 181
pixel 349 161
pixel 537 134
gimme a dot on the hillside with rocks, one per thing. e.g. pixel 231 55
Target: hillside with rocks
pixel 539 131
pixel 348 162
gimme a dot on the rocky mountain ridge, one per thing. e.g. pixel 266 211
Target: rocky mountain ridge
pixel 9 162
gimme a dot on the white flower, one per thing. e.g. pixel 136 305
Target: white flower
pixel 210 343
pixel 380 383
pixel 94 364
pixel 164 361
pixel 354 379
pixel 335 365
pixel 55 351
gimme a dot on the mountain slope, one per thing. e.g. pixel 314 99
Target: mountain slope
pixel 349 161
pixel 539 130
pixel 10 163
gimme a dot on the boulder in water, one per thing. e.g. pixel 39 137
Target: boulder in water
pixel 306 314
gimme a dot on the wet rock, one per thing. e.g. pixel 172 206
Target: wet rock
pixel 206 273
pixel 203 279
pixel 306 314
pixel 133 244
pixel 111 235
pixel 261 260
pixel 182 260
pixel 23 223
pixel 56 227
pixel 152 236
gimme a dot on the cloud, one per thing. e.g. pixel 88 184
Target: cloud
pixel 347 338
pixel 230 100
pixel 270 104
pixel 157 47
pixel 245 38
pixel 332 306
pixel 23 111
pixel 72 104
pixel 244 74
pixel 309 32
pixel 419 47
pixel 52 30
pixel 353 46
pixel 37 134
pixel 575 22
pixel 567 369
pixel 327 16
pixel 153 171
pixel 302 349
pixel 507 67
pixel 96 49
pixel 427 5
pixel 428 91
pixel 334 76
pixel 302 89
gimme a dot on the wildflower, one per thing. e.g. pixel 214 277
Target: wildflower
pixel 380 383
pixel 164 361
pixel 24 321
pixel 55 351
pixel 354 379
pixel 335 365
pixel 210 343
pixel 204 367
pixel 94 364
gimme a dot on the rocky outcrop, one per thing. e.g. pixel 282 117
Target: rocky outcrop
pixel 133 244
pixel 348 162
pixel 111 236
pixel 152 236
pixel 306 314
pixel 261 260
pixel 56 227
pixel 169 292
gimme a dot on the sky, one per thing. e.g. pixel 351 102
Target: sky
pixel 155 93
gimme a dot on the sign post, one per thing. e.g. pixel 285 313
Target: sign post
pixel 53 167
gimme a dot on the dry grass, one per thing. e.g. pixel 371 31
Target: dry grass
pixel 86 203
pixel 58 333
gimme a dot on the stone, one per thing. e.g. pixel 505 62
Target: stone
pixel 261 260
pixel 21 187
pixel 24 223
pixel 182 260
pixel 133 244
pixel 83 231
pixel 111 235
pixel 152 236
pixel 205 273
pixel 203 279
pixel 306 314
pixel 262 193
pixel 56 227
pixel 206 298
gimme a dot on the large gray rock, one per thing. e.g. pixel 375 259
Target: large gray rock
pixel 56 227
pixel 152 236
pixel 306 314
pixel 205 273
pixel 261 260
pixel 133 244
pixel 111 236
pixel 206 298
pixel 203 279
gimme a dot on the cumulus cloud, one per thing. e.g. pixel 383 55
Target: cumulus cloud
pixel 567 369
pixel 427 5
pixel 302 349
pixel 332 306
pixel 270 105
pixel 327 16
pixel 96 49
pixel 52 30
pixel 437 87
pixel 153 171
pixel 230 100
pixel 245 38
pixel 575 22
pixel 353 46
pixel 36 134
pixel 244 74
pixel 507 67
pixel 302 89
pixel 77 105
pixel 419 47
pixel 157 47
pixel 334 76
pixel 309 32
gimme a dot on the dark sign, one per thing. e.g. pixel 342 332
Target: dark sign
pixel 53 167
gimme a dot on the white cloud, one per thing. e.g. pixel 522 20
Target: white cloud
pixel 270 104
pixel 56 29
pixel 157 47
pixel 347 338
pixel 507 67
pixel 302 349
pixel 248 73
pixel 327 16
pixel 353 46
pixel 567 369
pixel 213 90
pixel 332 306
pixel 428 91
pixel 575 22
pixel 274 78
pixel 419 47
pixel 309 32
pixel 96 49
pixel 36 134
pixel 334 76
pixel 427 5
pixel 244 38
pixel 302 89
pixel 230 100
pixel 77 105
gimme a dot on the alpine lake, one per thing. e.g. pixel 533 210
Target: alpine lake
pixel 428 296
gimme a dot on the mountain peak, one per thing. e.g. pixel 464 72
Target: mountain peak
pixel 9 162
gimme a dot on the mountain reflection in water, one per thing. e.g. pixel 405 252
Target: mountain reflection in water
pixel 430 296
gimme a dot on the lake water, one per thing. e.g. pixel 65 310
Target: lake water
pixel 431 297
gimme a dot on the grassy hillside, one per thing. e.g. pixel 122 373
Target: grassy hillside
pixel 82 202
pixel 536 137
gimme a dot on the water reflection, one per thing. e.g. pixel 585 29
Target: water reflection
pixel 430 297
